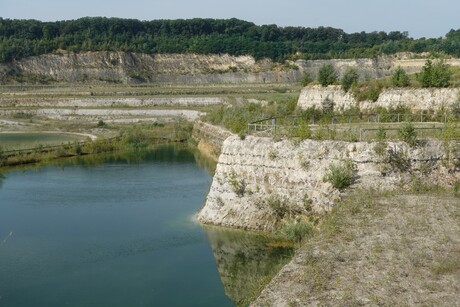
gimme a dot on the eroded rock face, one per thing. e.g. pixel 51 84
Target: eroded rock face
pixel 422 99
pixel 259 182
pixel 210 138
pixel 126 67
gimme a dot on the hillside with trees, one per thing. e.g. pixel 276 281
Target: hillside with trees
pixel 24 38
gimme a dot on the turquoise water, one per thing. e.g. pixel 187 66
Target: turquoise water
pixel 119 231
pixel 12 141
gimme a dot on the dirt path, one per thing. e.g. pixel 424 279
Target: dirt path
pixel 91 136
pixel 394 250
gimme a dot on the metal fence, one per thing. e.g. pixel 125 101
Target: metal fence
pixel 278 123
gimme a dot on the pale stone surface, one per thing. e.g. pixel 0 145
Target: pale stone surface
pixel 126 67
pixel 107 114
pixel 293 173
pixel 423 99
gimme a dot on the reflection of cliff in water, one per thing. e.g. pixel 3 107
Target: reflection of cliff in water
pixel 245 261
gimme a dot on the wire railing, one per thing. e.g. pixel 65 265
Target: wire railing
pixel 272 123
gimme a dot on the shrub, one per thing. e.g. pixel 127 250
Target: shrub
pixel 400 78
pixel 238 186
pixel 435 74
pixel 408 134
pixel 327 75
pixel 341 175
pixel 381 134
pixel 327 105
pixel 278 206
pixel 306 79
pixel 398 160
pixel 349 78
pixel 297 231
pixel 77 148
pixel 101 123
pixel 303 131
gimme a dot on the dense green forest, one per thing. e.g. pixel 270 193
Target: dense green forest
pixel 23 38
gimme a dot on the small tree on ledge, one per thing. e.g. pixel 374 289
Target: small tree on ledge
pixel 327 75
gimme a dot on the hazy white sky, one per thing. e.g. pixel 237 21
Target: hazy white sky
pixel 421 18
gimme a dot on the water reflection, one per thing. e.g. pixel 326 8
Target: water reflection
pixel 2 177
pixel 245 261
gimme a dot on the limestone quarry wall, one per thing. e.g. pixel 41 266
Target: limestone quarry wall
pixel 255 175
pixel 127 67
pixel 210 138
pixel 417 99
pixel 371 68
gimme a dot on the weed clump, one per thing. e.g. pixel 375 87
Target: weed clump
pixel 341 175
pixel 296 231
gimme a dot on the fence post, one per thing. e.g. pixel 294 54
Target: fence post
pixel 313 119
pixel 421 117
pixel 274 125
pixel 360 134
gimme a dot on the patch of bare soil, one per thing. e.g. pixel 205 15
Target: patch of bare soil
pixel 377 250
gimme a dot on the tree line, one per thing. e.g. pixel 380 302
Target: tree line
pixel 23 38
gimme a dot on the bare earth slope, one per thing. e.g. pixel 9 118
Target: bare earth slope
pixel 390 251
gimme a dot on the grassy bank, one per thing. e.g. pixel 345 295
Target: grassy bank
pixel 380 249
pixel 134 137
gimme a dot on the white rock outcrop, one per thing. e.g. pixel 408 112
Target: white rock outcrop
pixel 420 99
pixel 256 175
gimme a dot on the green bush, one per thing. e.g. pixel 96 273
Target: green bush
pixel 381 134
pixel 297 231
pixel 302 131
pixel 341 175
pixel 435 74
pixel 327 75
pixel 400 78
pixel 101 124
pixel 349 78
pixel 408 134
pixel 306 79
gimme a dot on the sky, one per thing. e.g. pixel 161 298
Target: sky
pixel 421 18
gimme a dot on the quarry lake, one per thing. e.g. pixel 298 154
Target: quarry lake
pixel 119 230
